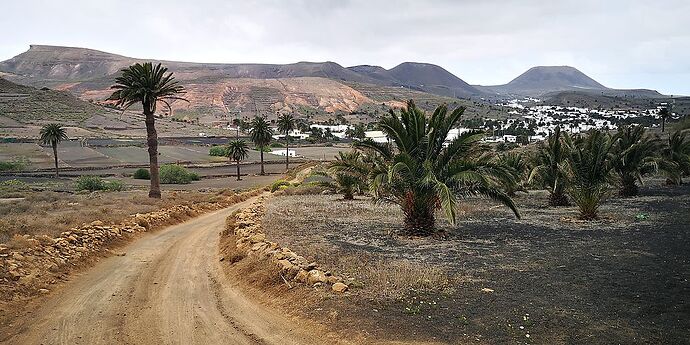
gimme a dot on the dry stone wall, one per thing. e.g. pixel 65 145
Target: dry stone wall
pixel 246 225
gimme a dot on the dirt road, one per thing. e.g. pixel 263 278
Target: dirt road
pixel 167 289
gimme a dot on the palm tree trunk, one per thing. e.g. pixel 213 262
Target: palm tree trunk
pixel 663 124
pixel 629 187
pixel 419 218
pixel 287 152
pixel 262 160
pixel 57 171
pixel 238 170
pixel 152 142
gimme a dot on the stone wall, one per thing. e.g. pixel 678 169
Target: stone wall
pixel 29 264
pixel 246 225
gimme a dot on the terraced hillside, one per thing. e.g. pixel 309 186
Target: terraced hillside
pixel 30 105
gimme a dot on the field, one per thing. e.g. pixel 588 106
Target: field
pixel 493 279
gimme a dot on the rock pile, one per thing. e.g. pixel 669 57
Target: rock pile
pixel 30 263
pixel 246 225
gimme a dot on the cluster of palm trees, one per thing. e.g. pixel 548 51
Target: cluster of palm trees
pixel 586 166
pixel 423 173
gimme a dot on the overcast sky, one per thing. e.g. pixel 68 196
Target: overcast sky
pixel 622 44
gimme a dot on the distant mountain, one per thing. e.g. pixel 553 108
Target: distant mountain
pixel 548 81
pixel 303 87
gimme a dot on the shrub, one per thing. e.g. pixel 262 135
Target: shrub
pixel 176 174
pixel 218 151
pixel 15 165
pixel 277 184
pixel 114 186
pixel 90 183
pixel 142 174
pixel 277 145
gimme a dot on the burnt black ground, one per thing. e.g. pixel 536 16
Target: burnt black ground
pixel 618 280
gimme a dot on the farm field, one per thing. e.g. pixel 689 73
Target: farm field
pixel 492 279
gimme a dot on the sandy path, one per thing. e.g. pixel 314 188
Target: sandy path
pixel 168 289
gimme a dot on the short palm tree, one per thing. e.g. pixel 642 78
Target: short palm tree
pixel 634 154
pixel 52 134
pixel 286 124
pixel 676 156
pixel 519 164
pixel 261 135
pixel 548 167
pixel 147 84
pixel 238 150
pixel 589 171
pixel 422 174
pixel 350 172
pixel 663 114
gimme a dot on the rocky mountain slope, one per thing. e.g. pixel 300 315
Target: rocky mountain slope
pixel 311 89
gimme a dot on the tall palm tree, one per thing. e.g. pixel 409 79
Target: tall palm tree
pixel 261 136
pixel 52 134
pixel 147 84
pixel 589 171
pixel 634 154
pixel 422 174
pixel 676 156
pixel 238 150
pixel 286 123
pixel 548 167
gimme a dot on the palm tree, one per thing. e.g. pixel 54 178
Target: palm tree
pixel 238 150
pixel 663 114
pixel 52 134
pixel 634 155
pixel 423 174
pixel 147 84
pixel 589 171
pixel 261 136
pixel 676 157
pixel 286 123
pixel 548 170
pixel 350 171
pixel 520 166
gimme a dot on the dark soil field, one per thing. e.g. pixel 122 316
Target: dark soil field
pixel 492 279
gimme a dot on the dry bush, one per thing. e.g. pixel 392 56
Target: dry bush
pixel 258 272
pixel 304 189
pixel 21 242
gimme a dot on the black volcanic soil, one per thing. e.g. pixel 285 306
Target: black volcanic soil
pixel 552 279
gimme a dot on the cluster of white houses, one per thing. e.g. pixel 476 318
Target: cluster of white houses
pixel 542 119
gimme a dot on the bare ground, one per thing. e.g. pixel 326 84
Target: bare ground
pixel 168 288
pixel 545 279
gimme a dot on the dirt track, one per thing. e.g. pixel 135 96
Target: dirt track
pixel 168 289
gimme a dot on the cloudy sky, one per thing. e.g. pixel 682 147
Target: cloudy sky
pixel 622 44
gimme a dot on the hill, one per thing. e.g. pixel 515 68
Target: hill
pixel 548 81
pixel 312 89
pixel 27 104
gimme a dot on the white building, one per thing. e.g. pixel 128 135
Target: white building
pixel 284 152
pixel 295 134
pixel 376 136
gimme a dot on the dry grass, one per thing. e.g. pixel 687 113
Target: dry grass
pixel 50 213
pixel 308 225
